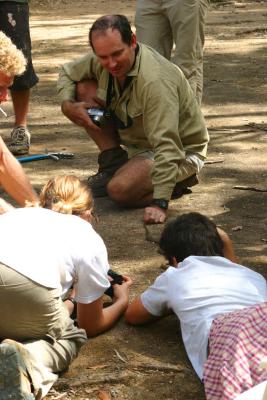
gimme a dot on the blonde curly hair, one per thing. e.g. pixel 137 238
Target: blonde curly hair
pixel 67 195
pixel 12 60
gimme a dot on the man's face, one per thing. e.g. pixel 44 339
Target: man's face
pixel 113 54
pixel 5 82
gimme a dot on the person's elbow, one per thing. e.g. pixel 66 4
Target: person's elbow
pixel 137 314
pixel 91 330
pixel 131 317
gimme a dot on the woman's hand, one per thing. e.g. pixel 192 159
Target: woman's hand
pixel 121 292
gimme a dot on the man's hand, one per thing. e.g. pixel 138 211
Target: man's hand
pixel 76 112
pixel 121 292
pixel 154 215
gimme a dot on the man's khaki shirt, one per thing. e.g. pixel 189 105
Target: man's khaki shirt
pixel 157 108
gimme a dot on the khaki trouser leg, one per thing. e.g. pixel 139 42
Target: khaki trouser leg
pixel 160 23
pixel 188 22
pixel 153 27
pixel 54 355
pixel 36 317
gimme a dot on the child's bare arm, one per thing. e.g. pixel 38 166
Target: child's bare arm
pixel 137 314
pixel 227 246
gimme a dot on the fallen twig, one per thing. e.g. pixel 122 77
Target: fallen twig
pixel 223 3
pixel 252 188
pixel 231 130
pixel 96 379
pixel 213 161
pixel 261 127
pixel 118 377
pixel 237 228
pixel 119 356
pixel 99 366
pixel 158 367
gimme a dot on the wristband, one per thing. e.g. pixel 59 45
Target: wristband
pixel 74 302
pixel 161 203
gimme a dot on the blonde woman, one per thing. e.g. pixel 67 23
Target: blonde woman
pixel 65 251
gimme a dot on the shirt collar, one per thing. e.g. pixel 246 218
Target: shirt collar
pixel 135 68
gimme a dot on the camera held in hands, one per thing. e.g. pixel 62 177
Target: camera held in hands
pixel 116 279
pixel 98 116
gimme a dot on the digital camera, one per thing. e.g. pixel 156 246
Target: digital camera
pixel 98 115
pixel 116 279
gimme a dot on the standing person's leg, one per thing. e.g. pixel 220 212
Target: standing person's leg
pixel 14 22
pixel 153 27
pixel 20 100
pixel 187 19
pixel 112 156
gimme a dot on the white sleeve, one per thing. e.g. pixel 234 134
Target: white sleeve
pixel 155 298
pixel 91 272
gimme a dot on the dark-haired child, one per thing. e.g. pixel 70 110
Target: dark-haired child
pixel 221 306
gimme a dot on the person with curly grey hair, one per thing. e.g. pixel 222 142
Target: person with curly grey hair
pixel 12 176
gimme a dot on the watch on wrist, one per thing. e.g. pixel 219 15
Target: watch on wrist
pixel 161 203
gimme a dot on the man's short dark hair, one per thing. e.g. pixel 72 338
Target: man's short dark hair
pixel 116 21
pixel 190 234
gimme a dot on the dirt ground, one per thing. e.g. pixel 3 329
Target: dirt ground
pixel 150 362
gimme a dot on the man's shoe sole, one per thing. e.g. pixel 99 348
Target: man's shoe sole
pixel 18 152
pixel 12 368
pixel 182 187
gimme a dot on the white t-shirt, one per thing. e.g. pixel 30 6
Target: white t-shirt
pixel 55 250
pixel 198 290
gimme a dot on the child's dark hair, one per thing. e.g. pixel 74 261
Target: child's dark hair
pixel 191 234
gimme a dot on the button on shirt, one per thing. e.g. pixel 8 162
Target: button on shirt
pixel 160 105
pixel 198 290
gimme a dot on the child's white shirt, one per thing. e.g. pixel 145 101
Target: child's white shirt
pixel 198 290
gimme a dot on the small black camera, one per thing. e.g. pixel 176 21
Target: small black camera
pixel 98 115
pixel 116 279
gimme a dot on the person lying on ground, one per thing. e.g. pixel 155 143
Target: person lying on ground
pixel 151 111
pixel 39 339
pixel 221 306
pixel 12 177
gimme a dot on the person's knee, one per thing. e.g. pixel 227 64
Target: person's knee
pixel 118 191
pixel 86 90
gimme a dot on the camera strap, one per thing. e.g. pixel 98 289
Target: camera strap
pixel 110 94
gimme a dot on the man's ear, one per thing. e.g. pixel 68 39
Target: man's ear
pixel 133 40
pixel 174 262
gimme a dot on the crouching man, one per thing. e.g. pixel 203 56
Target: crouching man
pixel 152 112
